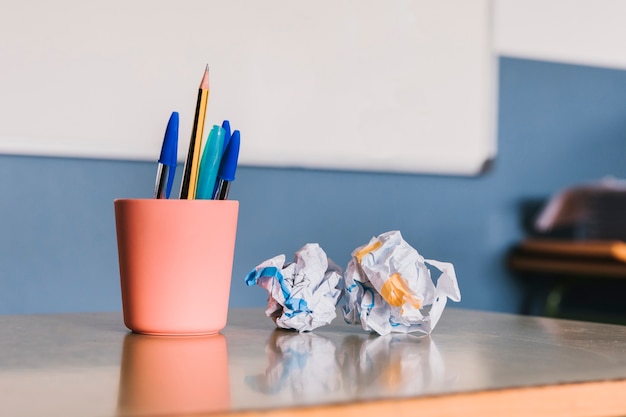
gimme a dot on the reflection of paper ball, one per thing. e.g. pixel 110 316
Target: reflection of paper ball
pixel 398 364
pixel 300 365
pixel 389 287
pixel 303 295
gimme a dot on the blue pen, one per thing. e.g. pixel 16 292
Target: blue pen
pixel 210 163
pixel 226 127
pixel 228 167
pixel 167 159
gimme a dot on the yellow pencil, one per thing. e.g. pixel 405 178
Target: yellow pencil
pixel 190 174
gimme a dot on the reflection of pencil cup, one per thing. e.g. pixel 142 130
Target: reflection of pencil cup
pixel 175 259
pixel 173 375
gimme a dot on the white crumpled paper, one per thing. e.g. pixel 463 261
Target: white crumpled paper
pixel 389 287
pixel 303 294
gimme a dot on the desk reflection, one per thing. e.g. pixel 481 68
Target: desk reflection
pixel 399 364
pixel 300 365
pixel 173 375
pixel 304 366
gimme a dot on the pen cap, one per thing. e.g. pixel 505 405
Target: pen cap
pixel 231 155
pixel 210 163
pixel 169 150
pixel 226 127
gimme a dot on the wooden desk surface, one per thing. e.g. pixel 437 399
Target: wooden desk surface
pixel 475 363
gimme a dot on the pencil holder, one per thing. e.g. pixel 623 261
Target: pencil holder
pixel 175 260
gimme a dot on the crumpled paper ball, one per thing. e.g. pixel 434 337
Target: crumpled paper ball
pixel 303 294
pixel 389 288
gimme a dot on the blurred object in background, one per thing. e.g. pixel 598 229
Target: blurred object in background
pixel 586 212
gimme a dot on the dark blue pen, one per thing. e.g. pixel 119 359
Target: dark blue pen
pixel 226 127
pixel 226 173
pixel 167 159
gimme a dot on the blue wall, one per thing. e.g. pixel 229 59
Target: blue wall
pixel 558 125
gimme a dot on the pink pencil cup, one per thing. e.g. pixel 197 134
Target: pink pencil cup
pixel 175 259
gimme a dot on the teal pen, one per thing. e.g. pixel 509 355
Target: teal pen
pixel 210 163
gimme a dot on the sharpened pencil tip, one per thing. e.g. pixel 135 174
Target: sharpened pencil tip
pixel 204 84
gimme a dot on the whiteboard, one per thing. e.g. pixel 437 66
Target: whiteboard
pixel 398 86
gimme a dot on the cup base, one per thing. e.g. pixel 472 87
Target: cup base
pixel 149 333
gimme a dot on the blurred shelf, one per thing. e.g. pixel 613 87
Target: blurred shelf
pixel 573 279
